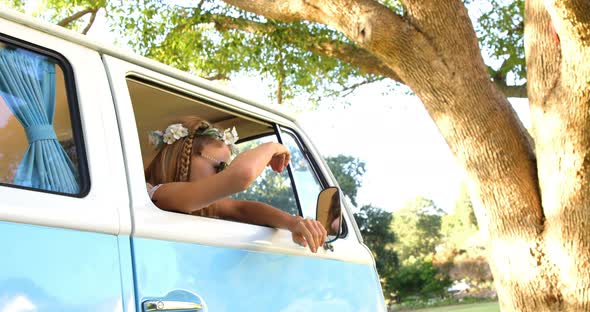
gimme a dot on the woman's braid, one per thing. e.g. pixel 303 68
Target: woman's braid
pixel 187 151
pixel 185 158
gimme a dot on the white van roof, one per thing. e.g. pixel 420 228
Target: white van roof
pixel 110 49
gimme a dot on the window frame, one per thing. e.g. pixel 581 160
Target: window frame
pixel 279 134
pixel 306 155
pixel 277 129
pixel 74 110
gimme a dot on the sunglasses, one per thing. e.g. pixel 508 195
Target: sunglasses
pixel 221 164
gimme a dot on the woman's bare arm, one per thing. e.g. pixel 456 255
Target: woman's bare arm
pixel 187 197
pixel 306 232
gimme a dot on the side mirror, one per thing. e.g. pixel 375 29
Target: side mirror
pixel 329 212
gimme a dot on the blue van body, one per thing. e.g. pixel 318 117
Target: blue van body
pixel 52 269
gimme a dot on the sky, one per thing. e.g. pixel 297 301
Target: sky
pixel 405 156
pixel 404 153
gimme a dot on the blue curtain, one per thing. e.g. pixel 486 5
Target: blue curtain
pixel 27 85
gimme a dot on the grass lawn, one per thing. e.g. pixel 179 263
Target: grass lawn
pixel 473 307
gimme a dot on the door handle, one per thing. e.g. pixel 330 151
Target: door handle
pixel 167 305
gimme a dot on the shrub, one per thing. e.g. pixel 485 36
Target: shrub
pixel 420 279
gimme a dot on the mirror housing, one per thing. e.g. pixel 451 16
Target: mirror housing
pixel 329 212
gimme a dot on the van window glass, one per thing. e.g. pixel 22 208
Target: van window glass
pixel 307 184
pixel 270 187
pixel 37 146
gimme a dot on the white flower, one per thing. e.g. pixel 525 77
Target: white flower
pixel 172 134
pixel 230 136
pixel 177 131
pixel 168 138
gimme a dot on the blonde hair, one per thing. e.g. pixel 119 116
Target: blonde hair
pixel 173 161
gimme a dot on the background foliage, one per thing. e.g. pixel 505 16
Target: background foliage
pixel 301 60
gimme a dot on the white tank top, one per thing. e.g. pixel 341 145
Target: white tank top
pixel 152 189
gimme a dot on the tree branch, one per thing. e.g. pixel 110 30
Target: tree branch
pixel 349 89
pixel 287 11
pixel 348 53
pixel 356 56
pixel 499 79
pixel 460 38
pixel 90 22
pixel 374 27
pixel 511 91
pixel 280 77
pixel 70 19
pixel 361 58
pixel 218 76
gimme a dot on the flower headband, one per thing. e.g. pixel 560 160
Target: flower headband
pixel 177 131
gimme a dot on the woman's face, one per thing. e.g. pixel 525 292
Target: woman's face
pixel 206 164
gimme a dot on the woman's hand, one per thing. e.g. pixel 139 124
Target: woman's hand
pixel 280 159
pixel 307 232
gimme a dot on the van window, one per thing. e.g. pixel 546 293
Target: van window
pixel 156 107
pixel 306 182
pixel 39 148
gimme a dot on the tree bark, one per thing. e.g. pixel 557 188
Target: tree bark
pixel 557 47
pixel 537 220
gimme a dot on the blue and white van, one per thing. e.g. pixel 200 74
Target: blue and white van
pixel 78 231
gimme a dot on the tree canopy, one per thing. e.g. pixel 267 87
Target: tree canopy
pixel 348 171
pixel 217 41
pixel 460 226
pixel 417 226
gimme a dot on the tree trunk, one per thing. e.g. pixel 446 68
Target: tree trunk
pixel 557 38
pixel 537 221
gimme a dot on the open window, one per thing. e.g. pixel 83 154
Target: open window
pixel 294 191
pixel 273 188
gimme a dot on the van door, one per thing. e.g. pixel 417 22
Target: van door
pixel 63 199
pixel 195 263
